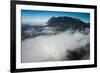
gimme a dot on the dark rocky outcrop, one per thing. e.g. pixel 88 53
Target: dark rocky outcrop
pixel 65 22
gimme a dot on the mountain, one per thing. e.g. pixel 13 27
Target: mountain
pixel 63 23
pixel 54 26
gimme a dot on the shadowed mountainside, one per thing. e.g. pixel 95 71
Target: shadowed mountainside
pixel 67 23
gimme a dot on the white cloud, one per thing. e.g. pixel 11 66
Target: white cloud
pixel 54 47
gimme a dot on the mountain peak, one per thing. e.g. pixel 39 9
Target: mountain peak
pixel 66 22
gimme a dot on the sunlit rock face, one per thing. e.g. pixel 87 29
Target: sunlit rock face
pixel 62 39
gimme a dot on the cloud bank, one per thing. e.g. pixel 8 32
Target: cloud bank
pixel 52 47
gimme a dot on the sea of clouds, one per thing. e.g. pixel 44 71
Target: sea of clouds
pixel 52 47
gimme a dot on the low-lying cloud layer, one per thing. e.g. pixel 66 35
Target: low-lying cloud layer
pixel 52 47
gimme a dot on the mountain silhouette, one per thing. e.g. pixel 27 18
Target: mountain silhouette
pixel 65 22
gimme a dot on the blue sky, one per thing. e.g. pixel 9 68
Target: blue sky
pixel 37 16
